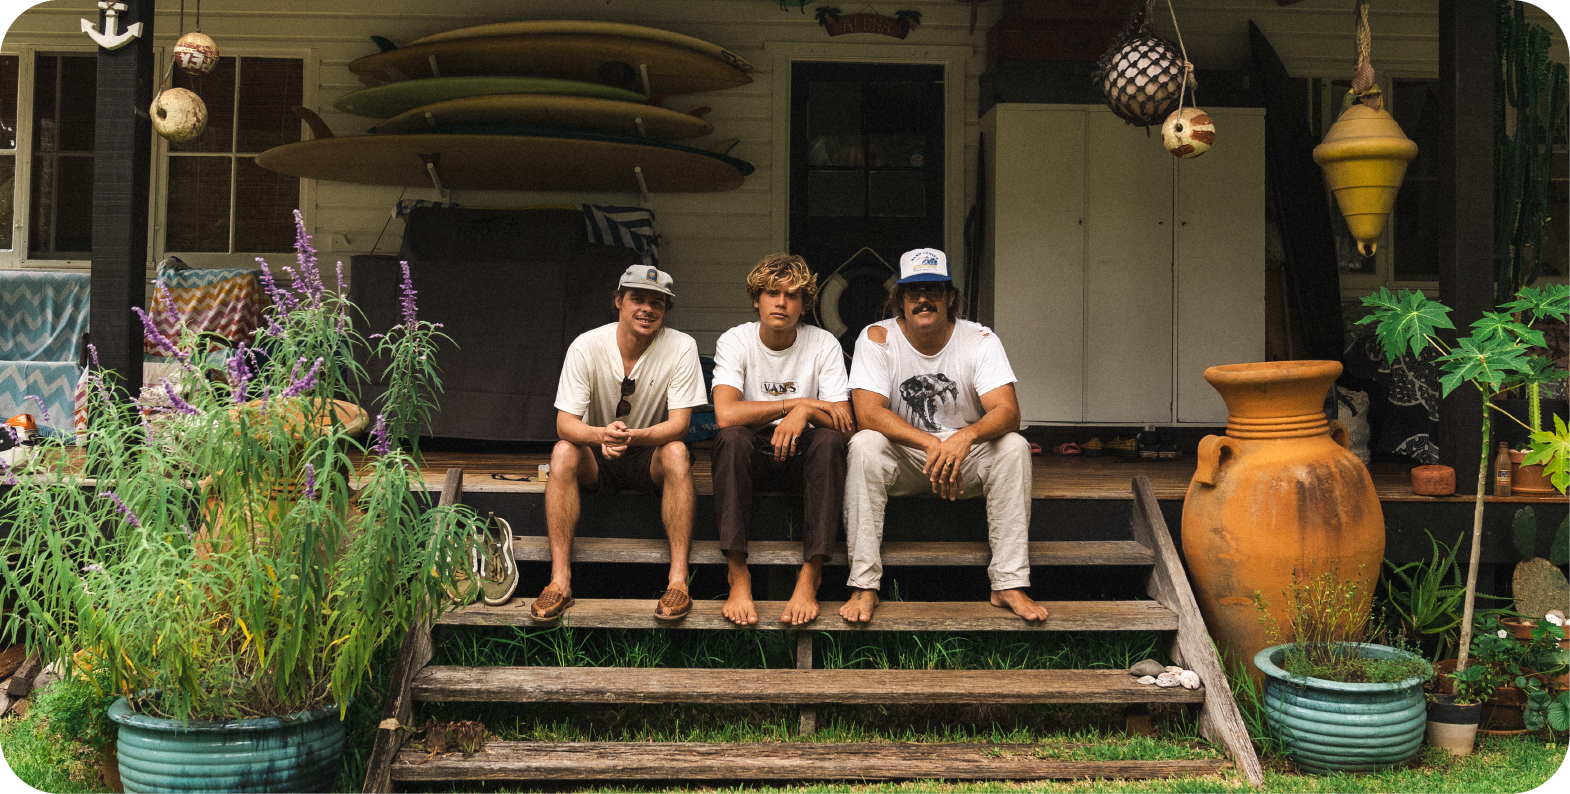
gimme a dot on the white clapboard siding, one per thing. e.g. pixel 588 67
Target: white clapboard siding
pixel 712 239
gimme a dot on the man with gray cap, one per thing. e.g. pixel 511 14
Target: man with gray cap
pixel 935 404
pixel 623 404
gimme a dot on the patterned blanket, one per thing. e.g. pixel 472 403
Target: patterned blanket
pixel 628 227
pixel 54 382
pixel 222 301
pixel 42 318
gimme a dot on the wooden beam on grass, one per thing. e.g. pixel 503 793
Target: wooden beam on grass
pixel 1220 719
pixel 413 655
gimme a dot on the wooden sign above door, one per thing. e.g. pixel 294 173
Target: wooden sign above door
pixel 897 26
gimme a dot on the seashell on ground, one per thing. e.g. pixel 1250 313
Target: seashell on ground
pixel 1147 680
pixel 1172 668
pixel 1189 679
pixel 1167 680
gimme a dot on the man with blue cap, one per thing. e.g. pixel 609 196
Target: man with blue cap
pixel 936 409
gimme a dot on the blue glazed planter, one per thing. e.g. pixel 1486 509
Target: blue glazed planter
pixel 1330 726
pixel 300 752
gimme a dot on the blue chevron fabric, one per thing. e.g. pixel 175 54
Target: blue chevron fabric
pixel 42 315
pixel 55 382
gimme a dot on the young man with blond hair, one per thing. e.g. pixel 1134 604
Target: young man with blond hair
pixel 935 402
pixel 780 397
pixel 623 404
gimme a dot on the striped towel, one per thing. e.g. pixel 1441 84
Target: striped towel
pixel 53 381
pixel 627 227
pixel 222 301
pixel 42 315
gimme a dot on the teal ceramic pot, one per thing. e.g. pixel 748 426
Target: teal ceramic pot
pixel 300 752
pixel 1330 726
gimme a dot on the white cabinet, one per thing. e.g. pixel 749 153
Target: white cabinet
pixel 1115 273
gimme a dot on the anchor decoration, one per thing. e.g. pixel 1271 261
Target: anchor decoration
pixel 108 38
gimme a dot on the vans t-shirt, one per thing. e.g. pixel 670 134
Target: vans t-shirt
pixel 667 376
pixel 940 393
pixel 813 366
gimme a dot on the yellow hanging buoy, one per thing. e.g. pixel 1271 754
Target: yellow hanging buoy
pixel 1364 158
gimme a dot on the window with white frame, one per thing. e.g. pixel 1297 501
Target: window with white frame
pixel 218 199
pixel 211 196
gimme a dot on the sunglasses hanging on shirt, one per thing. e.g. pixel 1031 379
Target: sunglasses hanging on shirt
pixel 628 386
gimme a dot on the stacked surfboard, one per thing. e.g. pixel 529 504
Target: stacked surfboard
pixel 535 105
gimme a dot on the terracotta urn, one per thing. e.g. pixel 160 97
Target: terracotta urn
pixel 1280 494
pixel 1433 480
pixel 1364 158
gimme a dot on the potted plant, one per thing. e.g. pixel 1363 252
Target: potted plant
pixel 1454 712
pixel 1337 702
pixel 232 564
pixel 1425 596
pixel 1492 357
pixel 1538 584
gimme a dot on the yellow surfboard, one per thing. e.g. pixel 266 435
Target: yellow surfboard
pixel 591 57
pixel 507 162
pixel 589 26
pixel 552 110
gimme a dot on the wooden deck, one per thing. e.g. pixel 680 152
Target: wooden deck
pixel 1055 477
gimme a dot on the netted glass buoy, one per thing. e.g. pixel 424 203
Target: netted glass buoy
pixel 1140 75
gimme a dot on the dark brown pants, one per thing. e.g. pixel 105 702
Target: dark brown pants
pixel 744 461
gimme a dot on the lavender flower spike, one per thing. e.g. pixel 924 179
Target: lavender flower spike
pixel 160 342
pixel 176 401
pixel 92 354
pixel 407 300
pixel 240 374
pixel 310 275
pixel 10 476
pixel 379 435
pixel 305 382
pixel 282 300
pixel 43 410
pixel 120 506
pixel 310 481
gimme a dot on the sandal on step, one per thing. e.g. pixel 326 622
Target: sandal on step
pixel 549 606
pixel 673 605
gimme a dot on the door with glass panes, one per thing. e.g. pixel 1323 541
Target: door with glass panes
pixel 866 179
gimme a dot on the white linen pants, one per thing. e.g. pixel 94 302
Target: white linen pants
pixel 878 468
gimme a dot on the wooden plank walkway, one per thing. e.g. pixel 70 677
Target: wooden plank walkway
pixel 778 761
pixel 628 613
pixel 535 548
pixel 784 686
pixel 1054 477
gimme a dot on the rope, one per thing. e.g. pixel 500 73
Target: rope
pixel 1363 81
pixel 1188 68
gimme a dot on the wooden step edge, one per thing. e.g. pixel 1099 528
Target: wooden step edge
pixel 625 685
pixel 707 552
pixel 619 613
pixel 505 760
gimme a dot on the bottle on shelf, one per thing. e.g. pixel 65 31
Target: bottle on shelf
pixel 1502 470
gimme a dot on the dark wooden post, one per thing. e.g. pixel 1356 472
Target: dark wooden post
pixel 122 173
pixel 1466 199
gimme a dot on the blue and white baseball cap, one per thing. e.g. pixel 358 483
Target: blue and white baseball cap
pixel 647 277
pixel 923 264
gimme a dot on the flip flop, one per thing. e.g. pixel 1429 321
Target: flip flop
pixel 1066 448
pixel 673 605
pixel 549 606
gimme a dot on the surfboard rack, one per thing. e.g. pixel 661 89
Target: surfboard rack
pixel 431 161
pixel 643 187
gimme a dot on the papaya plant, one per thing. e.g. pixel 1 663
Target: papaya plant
pixel 1493 357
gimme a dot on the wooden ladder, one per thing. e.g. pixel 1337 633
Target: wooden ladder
pixel 1171 608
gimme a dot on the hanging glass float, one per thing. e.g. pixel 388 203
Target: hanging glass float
pixel 178 115
pixel 196 53
pixel 1141 75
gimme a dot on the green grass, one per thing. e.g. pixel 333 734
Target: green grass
pixel 44 755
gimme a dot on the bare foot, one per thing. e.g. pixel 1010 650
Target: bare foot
pixel 739 608
pixel 1020 603
pixel 859 608
pixel 803 604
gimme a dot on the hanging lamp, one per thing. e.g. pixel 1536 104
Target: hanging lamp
pixel 1141 75
pixel 1365 154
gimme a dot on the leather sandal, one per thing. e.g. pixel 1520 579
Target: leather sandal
pixel 673 605
pixel 549 606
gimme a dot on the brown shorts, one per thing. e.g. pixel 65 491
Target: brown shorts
pixel 630 471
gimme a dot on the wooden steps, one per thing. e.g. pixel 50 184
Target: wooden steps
pixel 780 552
pixel 778 761
pixel 1171 609
pixel 606 685
pixel 626 613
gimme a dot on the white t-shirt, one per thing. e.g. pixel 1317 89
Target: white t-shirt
pixel 813 366
pixel 938 394
pixel 667 375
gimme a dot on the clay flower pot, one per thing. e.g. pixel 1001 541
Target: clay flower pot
pixel 1529 479
pixel 1280 491
pixel 1453 727
pixel 1433 480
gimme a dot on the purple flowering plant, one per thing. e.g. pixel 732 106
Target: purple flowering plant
pixel 250 545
